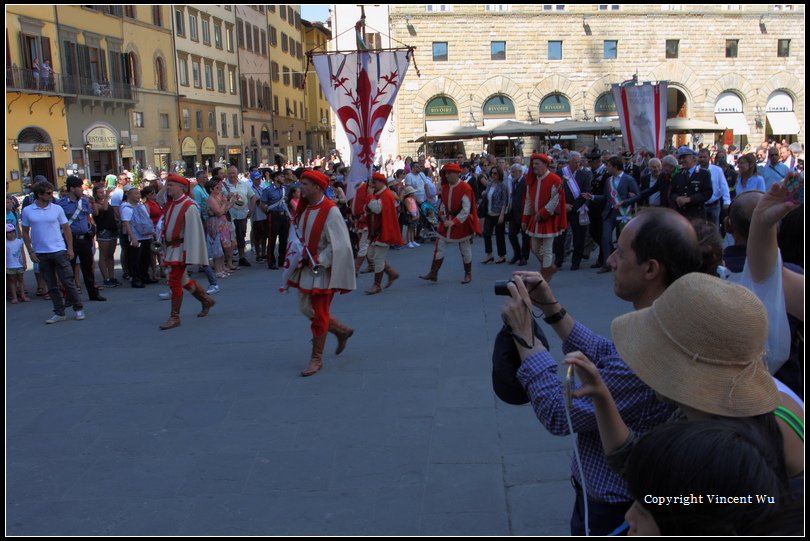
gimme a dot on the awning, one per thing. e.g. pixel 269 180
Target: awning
pixel 690 125
pixel 783 123
pixel 460 132
pixel 733 121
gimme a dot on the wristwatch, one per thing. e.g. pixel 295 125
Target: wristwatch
pixel 555 318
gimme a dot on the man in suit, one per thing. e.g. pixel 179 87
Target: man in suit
pixel 691 187
pixel 630 168
pixel 619 187
pixel 521 248
pixel 577 182
pixel 599 179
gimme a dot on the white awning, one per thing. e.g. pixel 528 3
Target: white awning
pixel 733 121
pixel 440 126
pixel 783 123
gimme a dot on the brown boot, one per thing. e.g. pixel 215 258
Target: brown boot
pixel 341 332
pixel 358 262
pixel 373 290
pixel 174 318
pixel 548 272
pixel 204 298
pixel 368 270
pixel 392 275
pixel 467 273
pixel 316 361
pixel 433 275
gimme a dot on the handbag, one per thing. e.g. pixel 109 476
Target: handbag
pixel 483 206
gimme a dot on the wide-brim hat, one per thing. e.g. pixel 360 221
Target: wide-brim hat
pixel 702 344
pixel 408 191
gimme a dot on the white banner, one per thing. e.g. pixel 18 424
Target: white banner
pixel 643 115
pixel 361 87
pixel 292 259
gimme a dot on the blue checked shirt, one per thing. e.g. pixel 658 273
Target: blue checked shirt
pixel 639 408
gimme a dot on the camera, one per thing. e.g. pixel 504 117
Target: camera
pixel 500 287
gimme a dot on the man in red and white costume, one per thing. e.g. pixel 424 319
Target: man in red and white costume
pixel 360 224
pixel 458 221
pixel 384 231
pixel 183 238
pixel 323 232
pixel 544 216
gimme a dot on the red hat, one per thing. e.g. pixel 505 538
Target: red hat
pixel 452 168
pixel 317 177
pixel 542 157
pixel 380 177
pixel 180 179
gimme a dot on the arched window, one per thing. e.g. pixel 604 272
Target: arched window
pixel 134 71
pixel 554 108
pixel 252 93
pixel 160 74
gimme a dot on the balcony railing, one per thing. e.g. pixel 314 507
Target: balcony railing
pixel 26 79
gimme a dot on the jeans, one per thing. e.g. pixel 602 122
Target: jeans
pixel 240 226
pixel 57 264
pixel 83 250
pixel 603 517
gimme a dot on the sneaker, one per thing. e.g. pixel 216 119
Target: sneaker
pixel 416 244
pixel 80 315
pixel 56 318
pixel 410 245
pixel 244 262
pixel 165 295
pixel 213 289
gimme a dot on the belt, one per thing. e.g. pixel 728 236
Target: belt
pixel 174 243
pixel 82 236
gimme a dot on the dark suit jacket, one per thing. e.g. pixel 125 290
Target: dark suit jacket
pixel 697 186
pixel 662 186
pixel 634 171
pixel 583 178
pixel 518 198
pixel 627 185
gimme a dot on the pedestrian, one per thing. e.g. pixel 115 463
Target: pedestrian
pixel 518 238
pixel 49 242
pixel 692 187
pixel 258 219
pixel 497 199
pixel 328 266
pixel 138 231
pixel 79 213
pixel 357 209
pixel 409 214
pixel 184 244
pixel 106 235
pixel 273 202
pixel 458 222
pixel 544 216
pixel 384 231
pixel 241 194
pixel 15 265
pixel 748 180
pixel 217 228
pixel 577 182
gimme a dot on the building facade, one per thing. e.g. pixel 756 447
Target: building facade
pixel 319 113
pixel 740 65
pixel 209 128
pixel 254 78
pixel 287 77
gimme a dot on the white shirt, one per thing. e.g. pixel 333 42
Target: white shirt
pixel 46 227
pixel 719 186
pixel 417 182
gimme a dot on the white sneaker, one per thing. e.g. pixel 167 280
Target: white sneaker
pixel 56 318
pixel 213 289
pixel 80 315
pixel 410 245
pixel 416 244
pixel 165 295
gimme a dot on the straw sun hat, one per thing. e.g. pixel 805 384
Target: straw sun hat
pixel 701 344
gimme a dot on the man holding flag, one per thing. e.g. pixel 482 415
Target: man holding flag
pixel 327 264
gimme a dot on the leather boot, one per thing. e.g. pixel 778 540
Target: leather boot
pixel 174 318
pixel 316 361
pixel 341 332
pixel 206 300
pixel 373 290
pixel 358 262
pixel 392 275
pixel 548 272
pixel 467 273
pixel 433 275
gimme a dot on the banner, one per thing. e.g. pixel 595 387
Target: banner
pixel 361 87
pixel 643 115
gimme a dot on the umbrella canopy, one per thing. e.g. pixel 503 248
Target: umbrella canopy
pixel 458 132
pixel 692 125
pixel 514 128
pixel 571 127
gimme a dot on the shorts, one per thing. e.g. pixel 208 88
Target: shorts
pixel 106 235
pixel 12 272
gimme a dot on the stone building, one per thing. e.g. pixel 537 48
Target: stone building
pixel 739 65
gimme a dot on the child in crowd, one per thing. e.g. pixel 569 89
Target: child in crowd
pixel 15 265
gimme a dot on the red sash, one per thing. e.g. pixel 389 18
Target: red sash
pixel 176 218
pixel 314 236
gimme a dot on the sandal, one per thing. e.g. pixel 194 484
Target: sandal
pixel 14 301
pixel 500 260
pixel 41 293
pixel 46 297
pixel 25 298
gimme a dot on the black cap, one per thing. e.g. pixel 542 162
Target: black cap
pixel 627 154
pixel 73 181
pixel 593 155
pixel 505 365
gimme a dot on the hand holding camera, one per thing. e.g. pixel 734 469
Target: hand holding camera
pixel 517 312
